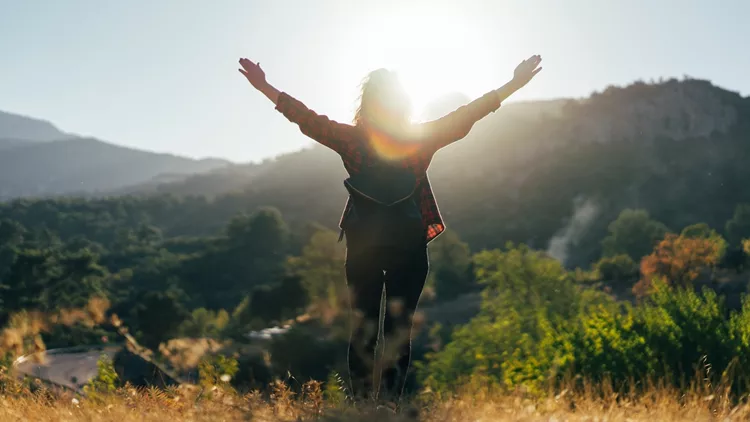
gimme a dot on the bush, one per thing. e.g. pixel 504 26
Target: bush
pixel 527 296
pixel 217 370
pixel 619 269
pixel 106 380
pixel 536 327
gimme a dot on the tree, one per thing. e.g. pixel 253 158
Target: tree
pixel 451 269
pixel 619 268
pixel 699 230
pixel 321 267
pixel 12 235
pixel 738 227
pixel 49 280
pixel 204 323
pixel 633 233
pixel 679 260
pixel 260 240
pixel 253 253
pixel 157 316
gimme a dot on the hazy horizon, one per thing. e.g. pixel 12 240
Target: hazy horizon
pixel 162 77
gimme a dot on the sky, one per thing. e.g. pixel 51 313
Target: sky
pixel 161 75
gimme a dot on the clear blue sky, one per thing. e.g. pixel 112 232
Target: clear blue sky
pixel 161 75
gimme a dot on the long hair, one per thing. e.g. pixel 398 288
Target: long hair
pixel 382 101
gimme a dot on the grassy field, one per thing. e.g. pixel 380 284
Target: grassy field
pixel 194 404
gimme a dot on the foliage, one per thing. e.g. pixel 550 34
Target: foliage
pixel 537 327
pixel 216 370
pixel 633 233
pixel 526 295
pixel 738 227
pixel 204 323
pixel 106 380
pixel 321 268
pixel 618 268
pixel 680 260
pixel 451 267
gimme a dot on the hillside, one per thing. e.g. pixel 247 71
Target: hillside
pixel 678 149
pixel 17 127
pixel 38 159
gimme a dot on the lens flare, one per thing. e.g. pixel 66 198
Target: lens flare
pixel 390 148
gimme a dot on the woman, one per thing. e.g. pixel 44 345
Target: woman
pixel 391 214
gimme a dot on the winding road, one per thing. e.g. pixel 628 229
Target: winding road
pixel 71 369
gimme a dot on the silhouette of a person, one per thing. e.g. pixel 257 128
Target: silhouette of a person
pixel 382 132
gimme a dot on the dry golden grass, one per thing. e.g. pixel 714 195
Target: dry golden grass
pixel 193 404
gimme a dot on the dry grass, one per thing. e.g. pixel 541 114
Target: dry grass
pixel 281 404
pixel 31 402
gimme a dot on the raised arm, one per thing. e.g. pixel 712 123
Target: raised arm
pixel 337 136
pixel 457 124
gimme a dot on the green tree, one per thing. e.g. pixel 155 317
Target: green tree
pixel 633 233
pixel 619 268
pixel 157 316
pixel 243 320
pixel 738 227
pixel 699 230
pixel 49 280
pixel 204 323
pixel 321 267
pixel 253 253
pixel 451 268
pixel 106 380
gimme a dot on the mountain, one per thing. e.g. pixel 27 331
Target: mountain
pixel 37 159
pixel 17 130
pixel 22 128
pixel 677 148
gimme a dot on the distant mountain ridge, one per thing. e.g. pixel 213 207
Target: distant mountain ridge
pixel 38 160
pixel 22 128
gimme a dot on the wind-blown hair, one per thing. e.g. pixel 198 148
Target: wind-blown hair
pixel 382 101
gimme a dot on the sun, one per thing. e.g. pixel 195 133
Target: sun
pixel 435 55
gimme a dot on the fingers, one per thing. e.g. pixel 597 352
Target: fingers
pixel 532 64
pixel 245 63
pixel 243 72
pixel 248 64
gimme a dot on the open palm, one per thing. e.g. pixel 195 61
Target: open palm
pixel 527 70
pixel 252 72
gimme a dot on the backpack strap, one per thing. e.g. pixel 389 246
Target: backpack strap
pixel 382 185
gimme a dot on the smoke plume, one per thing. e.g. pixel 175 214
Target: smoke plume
pixel 584 212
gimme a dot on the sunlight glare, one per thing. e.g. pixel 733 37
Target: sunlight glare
pixel 437 55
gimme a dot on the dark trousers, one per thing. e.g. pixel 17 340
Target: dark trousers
pixel 402 272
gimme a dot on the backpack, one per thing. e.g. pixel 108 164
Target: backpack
pixel 385 208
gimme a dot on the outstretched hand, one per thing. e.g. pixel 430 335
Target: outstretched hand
pixel 527 70
pixel 253 73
